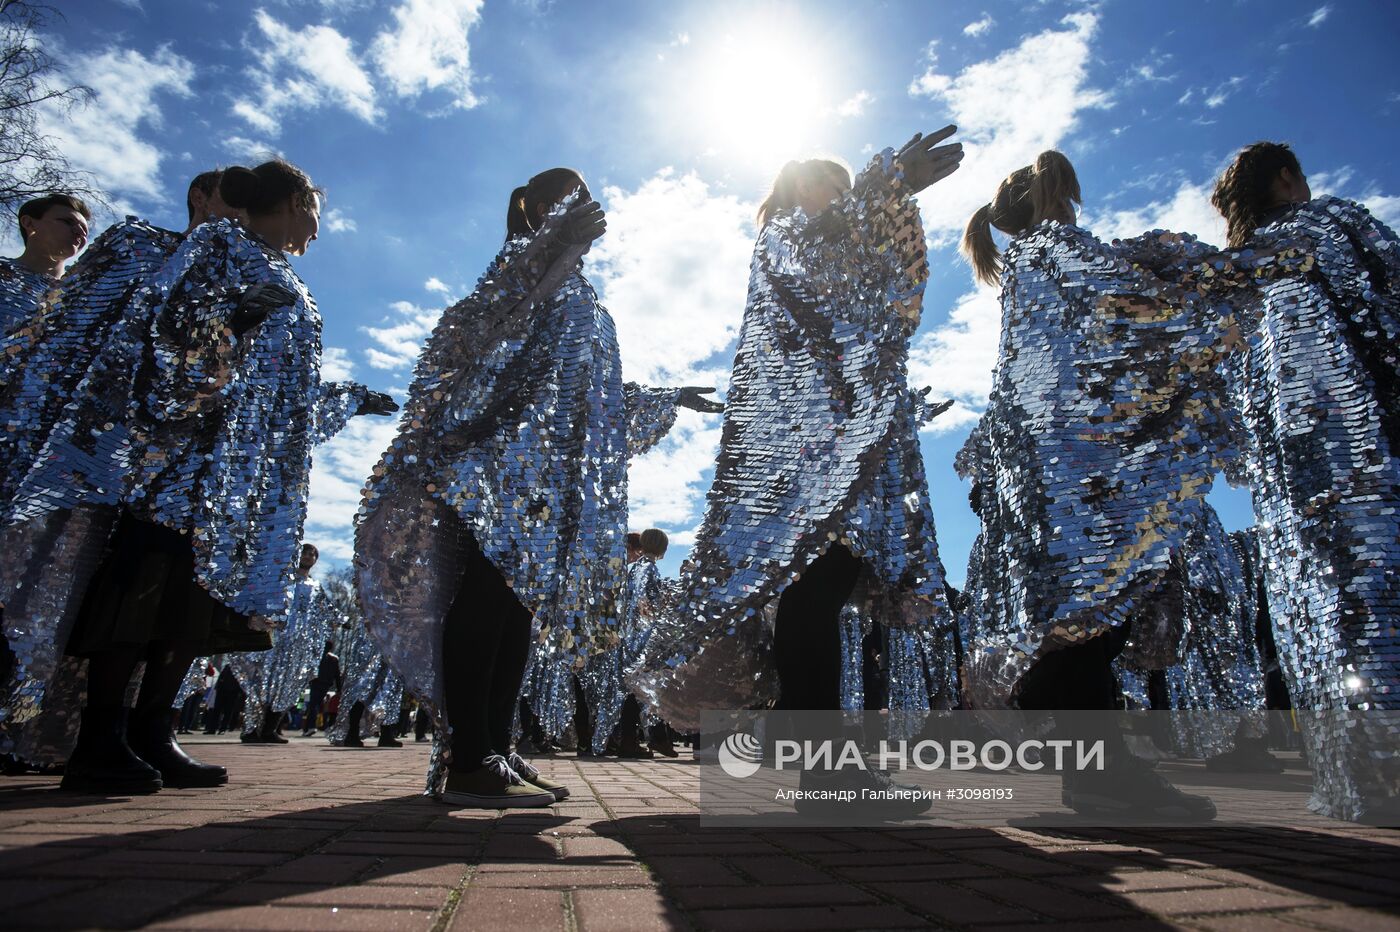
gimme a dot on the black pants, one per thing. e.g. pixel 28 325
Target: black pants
pixel 807 634
pixel 314 702
pixel 1078 677
pixel 485 646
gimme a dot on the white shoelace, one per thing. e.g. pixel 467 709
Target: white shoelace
pixel 522 767
pixel 499 766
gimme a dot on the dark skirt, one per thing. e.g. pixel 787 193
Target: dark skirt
pixel 145 591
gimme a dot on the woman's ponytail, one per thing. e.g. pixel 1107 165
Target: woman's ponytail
pixel 517 223
pixel 542 191
pixel 1245 191
pixel 1053 184
pixel 980 249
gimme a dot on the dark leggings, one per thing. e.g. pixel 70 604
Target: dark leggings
pixel 109 674
pixel 807 634
pixel 485 646
pixel 1078 677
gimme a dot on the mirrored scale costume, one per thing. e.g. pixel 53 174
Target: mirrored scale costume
pixel 819 445
pixel 517 431
pixel 1103 433
pixel 1220 671
pixel 63 370
pixel 194 682
pixel 184 425
pixel 22 292
pixel 643 591
pixel 368 679
pixel 274 679
pixel 1318 394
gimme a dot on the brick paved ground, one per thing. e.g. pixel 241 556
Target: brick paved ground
pixel 312 837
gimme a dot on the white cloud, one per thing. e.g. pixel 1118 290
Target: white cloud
pixel 666 487
pixel 102 137
pixel 1188 210
pixel 398 344
pixel 957 358
pixel 437 285
pixel 249 150
pixel 1008 109
pixel 302 69
pixel 339 470
pixel 1319 15
pixel 427 50
pixel 337 221
pixel 855 105
pixel 676 287
pixel 336 365
pixel 1223 92
pixel 980 27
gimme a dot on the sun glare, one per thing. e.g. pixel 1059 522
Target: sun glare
pixel 759 93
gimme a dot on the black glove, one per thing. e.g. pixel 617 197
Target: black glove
pixel 256 304
pixel 583 224
pixel 377 403
pixel 690 397
pixel 924 164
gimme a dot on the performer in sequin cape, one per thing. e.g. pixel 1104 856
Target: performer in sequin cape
pixel 373 692
pixel 1320 399
pixel 22 292
pixel 819 473
pixel 54 229
pixel 504 497
pixel 1103 433
pixel 227 404
pixel 274 679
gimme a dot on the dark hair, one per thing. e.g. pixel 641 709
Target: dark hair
pixel 262 190
pixel 634 540
pixel 543 190
pixel 1244 192
pixel 1023 200
pixel 312 548
pixel 783 195
pixel 36 209
pixel 654 542
pixel 205 183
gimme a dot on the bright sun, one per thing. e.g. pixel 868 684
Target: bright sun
pixel 759 93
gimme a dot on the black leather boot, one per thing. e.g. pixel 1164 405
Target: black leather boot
pixel 150 737
pixel 102 762
pixel 352 733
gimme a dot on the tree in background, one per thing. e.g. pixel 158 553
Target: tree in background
pixel 30 83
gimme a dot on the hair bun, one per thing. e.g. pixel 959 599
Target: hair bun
pixel 239 187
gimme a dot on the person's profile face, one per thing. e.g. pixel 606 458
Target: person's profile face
pixel 61 232
pixel 302 227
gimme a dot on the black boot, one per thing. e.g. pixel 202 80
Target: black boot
pixel 387 739
pixel 352 733
pixel 149 736
pixel 659 740
pixel 102 762
pixel 270 723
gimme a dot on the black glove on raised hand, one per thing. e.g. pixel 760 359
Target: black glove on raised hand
pixel 583 224
pixel 377 403
pixel 690 397
pixel 925 162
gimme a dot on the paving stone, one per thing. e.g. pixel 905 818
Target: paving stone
pixel 509 909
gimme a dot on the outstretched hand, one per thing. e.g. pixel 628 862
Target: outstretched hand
pixel 583 224
pixel 377 403
pixel 690 397
pixel 926 162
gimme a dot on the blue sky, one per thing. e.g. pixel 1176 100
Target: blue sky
pixel 419 116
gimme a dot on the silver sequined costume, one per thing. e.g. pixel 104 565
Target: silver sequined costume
pixel 22 292
pixel 1319 399
pixel 65 373
pixel 1103 433
pixel 603 675
pixel 368 679
pixel 194 682
pixel 274 679
pixel 819 445
pixel 517 430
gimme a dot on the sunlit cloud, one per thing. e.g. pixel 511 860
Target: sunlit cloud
pixel 979 27
pixel 397 345
pixel 337 221
pixel 1319 15
pixel 427 49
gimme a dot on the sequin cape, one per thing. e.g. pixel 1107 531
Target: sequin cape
pixel 22 292
pixel 224 427
pixel 368 679
pixel 52 366
pixel 1103 433
pixel 516 431
pixel 819 444
pixel 275 678
pixel 603 675
pixel 1318 394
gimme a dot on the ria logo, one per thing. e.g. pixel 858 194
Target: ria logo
pixel 741 755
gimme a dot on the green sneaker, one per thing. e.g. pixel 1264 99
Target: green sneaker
pixel 493 785
pixel 531 774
